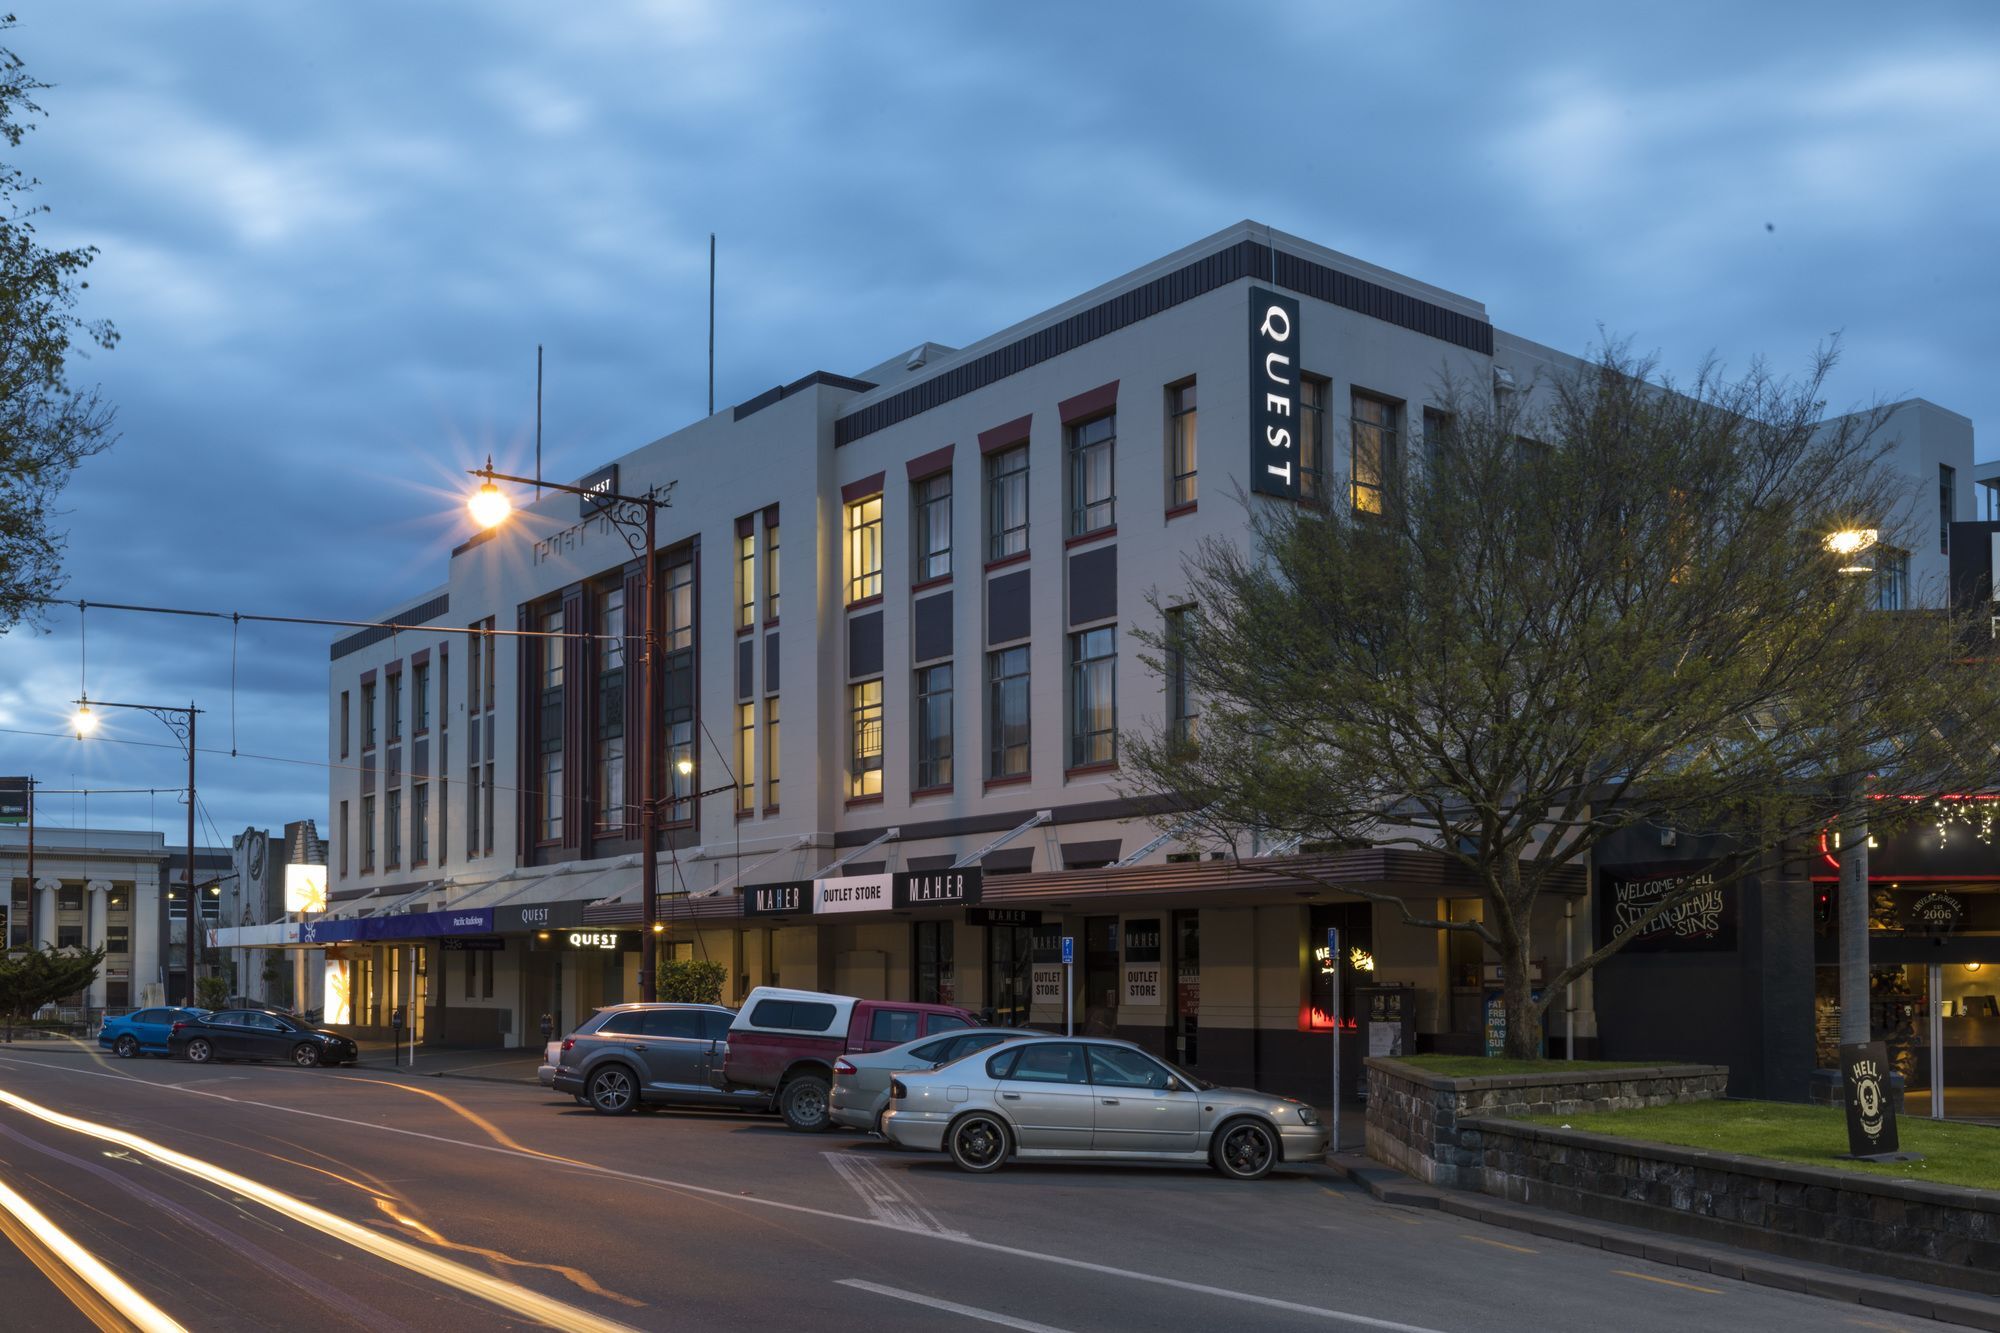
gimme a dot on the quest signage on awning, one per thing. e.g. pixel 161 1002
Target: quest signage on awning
pixel 595 941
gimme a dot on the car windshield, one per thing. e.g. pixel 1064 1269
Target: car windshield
pixel 1198 1084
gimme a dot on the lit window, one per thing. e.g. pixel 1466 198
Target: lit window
pixel 1180 444
pixel 746 757
pixel 864 771
pixel 1373 428
pixel 770 564
pixel 864 549
pixel 746 575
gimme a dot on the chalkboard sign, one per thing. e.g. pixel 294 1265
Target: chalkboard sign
pixel 1703 920
pixel 1871 1110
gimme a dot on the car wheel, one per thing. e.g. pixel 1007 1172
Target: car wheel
pixel 613 1090
pixel 199 1051
pixel 126 1047
pixel 1245 1150
pixel 978 1143
pixel 305 1055
pixel 803 1104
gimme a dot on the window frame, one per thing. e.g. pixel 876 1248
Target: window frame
pixel 1315 402
pixel 932 767
pixel 1183 443
pixel 1183 624
pixel 998 682
pixel 862 526
pixel 1093 663
pixel 1005 540
pixel 928 511
pixel 864 756
pixel 1386 435
pixel 1090 515
pixel 609 724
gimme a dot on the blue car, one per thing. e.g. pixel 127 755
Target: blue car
pixel 144 1030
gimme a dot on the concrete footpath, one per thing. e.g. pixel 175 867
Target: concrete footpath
pixel 518 1065
pixel 1912 1299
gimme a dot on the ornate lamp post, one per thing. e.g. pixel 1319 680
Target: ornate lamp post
pixel 633 516
pixel 1852 547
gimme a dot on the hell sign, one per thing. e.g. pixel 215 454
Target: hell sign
pixel 1871 1112
pixel 1274 394
pixel 1143 984
pixel 1702 915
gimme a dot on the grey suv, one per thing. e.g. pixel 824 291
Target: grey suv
pixel 660 1054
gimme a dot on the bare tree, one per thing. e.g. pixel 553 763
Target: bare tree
pixel 1620 608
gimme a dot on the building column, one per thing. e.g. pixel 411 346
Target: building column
pixel 96 924
pixel 45 911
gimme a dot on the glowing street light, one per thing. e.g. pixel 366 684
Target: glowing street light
pixel 85 721
pixel 489 504
pixel 1849 544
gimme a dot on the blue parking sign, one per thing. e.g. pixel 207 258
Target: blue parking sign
pixel 1069 949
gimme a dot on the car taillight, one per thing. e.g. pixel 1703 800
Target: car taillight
pixel 569 1043
pixel 179 1023
pixel 897 1092
pixel 844 1067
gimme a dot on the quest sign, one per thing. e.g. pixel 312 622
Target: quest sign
pixel 1274 394
pixel 837 895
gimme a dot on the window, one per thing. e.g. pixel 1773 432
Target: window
pixel 368 715
pixel 345 722
pixel 472 696
pixel 1007 502
pixel 677 701
pixel 936 978
pixel 1180 444
pixel 420 824
pixel 930 501
pixel 367 833
pixel 341 837
pixel 1092 483
pixel 1892 579
pixel 864 549
pixel 933 727
pixel 71 937
pixel 1947 505
pixel 1373 431
pixel 1049 1062
pixel 1115 1067
pixel 864 709
pixel 1438 428
pixel 746 757
pixel 118 937
pixel 485 957
pixel 945 1023
pixel 1183 713
pixel 472 990
pixel 715 1024
pixel 770 564
pixel 771 752
pixel 681 1024
pixel 797 1015
pixel 69 898
pixel 392 719
pixel 1007 712
pixel 1314 393
pixel 611 710
pixel 549 729
pixel 393 828
pixel 478 766
pixel 894 1026
pixel 420 697
pixel 746 573
pixel 1093 692
pixel 933 1052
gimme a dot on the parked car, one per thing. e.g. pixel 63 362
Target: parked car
pixel 784 1043
pixel 257 1034
pixel 861 1080
pixel 1075 1099
pixel 143 1030
pixel 629 1055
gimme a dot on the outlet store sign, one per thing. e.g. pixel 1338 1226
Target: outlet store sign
pixel 838 895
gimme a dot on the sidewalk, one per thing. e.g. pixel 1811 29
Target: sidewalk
pixel 489 1064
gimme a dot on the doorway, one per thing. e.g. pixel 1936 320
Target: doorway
pixel 1100 976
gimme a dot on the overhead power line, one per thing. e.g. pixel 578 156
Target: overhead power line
pixel 395 626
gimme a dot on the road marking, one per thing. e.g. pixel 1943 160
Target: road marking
pixel 951 1307
pixel 736 1198
pixel 1666 1281
pixel 1499 1244
pixel 98 1293
pixel 886 1197
pixel 508 1296
pixel 1870 1323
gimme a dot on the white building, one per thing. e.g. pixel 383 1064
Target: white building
pixel 93 888
pixel 895 612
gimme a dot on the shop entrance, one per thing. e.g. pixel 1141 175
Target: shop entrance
pixel 1100 976
pixel 1010 961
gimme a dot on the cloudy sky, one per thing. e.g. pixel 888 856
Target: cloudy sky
pixel 332 236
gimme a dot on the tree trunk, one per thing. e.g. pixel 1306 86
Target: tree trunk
pixel 1524 1027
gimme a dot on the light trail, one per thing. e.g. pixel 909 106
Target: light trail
pixel 509 1296
pixel 104 1297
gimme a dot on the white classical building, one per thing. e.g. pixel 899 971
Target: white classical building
pixel 93 888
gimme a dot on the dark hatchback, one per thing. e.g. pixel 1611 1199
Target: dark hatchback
pixel 257 1034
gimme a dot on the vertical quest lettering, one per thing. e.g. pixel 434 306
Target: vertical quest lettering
pixel 1274 394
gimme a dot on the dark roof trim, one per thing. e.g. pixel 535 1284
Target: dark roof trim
pixel 1245 259
pixel 784 391
pixel 419 614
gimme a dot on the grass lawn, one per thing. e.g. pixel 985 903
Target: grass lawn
pixel 1479 1066
pixel 1954 1154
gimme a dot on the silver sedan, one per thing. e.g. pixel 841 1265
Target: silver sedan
pixel 1082 1099
pixel 861 1079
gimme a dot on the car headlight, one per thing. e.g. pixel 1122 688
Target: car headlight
pixel 1308 1116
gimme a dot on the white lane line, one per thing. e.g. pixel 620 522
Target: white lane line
pixel 885 1196
pixel 736 1198
pixel 952 1307
pixel 87 1266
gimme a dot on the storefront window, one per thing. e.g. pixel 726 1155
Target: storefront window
pixel 1010 953
pixel 936 978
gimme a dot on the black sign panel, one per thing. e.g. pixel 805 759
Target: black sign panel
pixel 604 481
pixel 1703 920
pixel 538 916
pixel 1871 1111
pixel 787 898
pixel 472 944
pixel 1142 940
pixel 589 940
pixel 13 800
pixel 1048 943
pixel 1274 393
pixel 936 888
pixel 1941 840
pixel 1975 579
pixel 1002 916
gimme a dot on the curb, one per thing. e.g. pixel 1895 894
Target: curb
pixel 1912 1299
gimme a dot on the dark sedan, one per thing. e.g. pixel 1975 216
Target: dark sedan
pixel 256 1034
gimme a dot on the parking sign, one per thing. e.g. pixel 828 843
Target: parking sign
pixel 1069 950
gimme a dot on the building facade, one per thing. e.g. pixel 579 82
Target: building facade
pixel 894 621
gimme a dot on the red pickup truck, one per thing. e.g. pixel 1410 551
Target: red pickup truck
pixel 785 1041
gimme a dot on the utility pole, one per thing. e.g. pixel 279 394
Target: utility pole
pixel 711 323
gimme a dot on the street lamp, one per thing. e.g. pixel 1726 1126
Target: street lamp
pixel 1851 546
pixel 633 516
pixel 180 721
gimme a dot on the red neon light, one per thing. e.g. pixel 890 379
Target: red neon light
pixel 1314 1019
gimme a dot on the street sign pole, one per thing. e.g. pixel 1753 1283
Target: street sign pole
pixel 1937 1042
pixel 1333 965
pixel 1069 988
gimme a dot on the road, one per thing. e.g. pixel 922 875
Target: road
pixel 268 1197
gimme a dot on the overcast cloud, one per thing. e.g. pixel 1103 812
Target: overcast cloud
pixel 333 234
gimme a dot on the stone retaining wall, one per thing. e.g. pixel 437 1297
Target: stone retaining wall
pixel 1942 1234
pixel 1416 1120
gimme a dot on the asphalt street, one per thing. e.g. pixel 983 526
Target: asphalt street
pixel 264 1197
